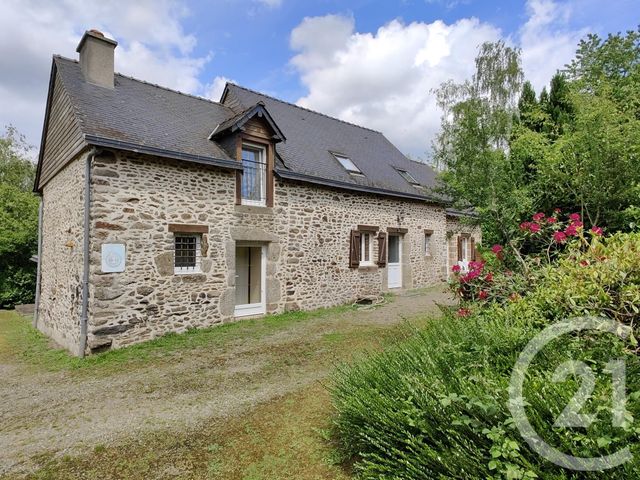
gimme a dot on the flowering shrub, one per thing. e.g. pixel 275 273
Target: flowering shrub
pixel 542 239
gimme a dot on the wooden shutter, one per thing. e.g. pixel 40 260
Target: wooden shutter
pixel 382 249
pixel 473 248
pixel 354 249
pixel 459 248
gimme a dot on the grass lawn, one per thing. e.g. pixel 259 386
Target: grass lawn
pixel 284 435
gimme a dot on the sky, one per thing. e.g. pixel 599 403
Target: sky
pixel 374 63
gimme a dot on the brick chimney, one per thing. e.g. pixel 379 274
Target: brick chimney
pixel 96 58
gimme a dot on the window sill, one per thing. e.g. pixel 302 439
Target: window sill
pixel 191 272
pixel 367 267
pixel 262 209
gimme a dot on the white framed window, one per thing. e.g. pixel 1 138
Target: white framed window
pixel 366 249
pixel 187 253
pixel 347 164
pixel 254 175
pixel 427 244
pixel 464 241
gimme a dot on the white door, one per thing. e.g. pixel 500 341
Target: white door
pixel 463 262
pixel 251 269
pixel 394 263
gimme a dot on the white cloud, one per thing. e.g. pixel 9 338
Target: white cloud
pixel 384 80
pixel 213 90
pixel 152 46
pixel 547 41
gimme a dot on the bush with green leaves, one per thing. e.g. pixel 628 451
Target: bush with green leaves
pixel 18 221
pixel 435 405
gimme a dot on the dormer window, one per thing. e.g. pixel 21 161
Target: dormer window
pixel 408 177
pixel 254 175
pixel 347 163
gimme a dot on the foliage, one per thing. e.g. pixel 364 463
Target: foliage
pixel 576 147
pixel 15 167
pixel 472 147
pixel 435 406
pixel 18 221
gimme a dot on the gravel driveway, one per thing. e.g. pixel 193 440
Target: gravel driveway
pixel 68 413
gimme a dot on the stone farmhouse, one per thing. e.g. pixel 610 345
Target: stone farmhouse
pixel 163 211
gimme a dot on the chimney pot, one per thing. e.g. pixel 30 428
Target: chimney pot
pixel 97 58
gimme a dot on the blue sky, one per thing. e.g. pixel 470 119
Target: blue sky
pixel 371 63
pixel 256 39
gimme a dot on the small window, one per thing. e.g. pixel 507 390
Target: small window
pixel 254 175
pixel 187 253
pixel 348 164
pixel 408 177
pixel 427 244
pixel 464 249
pixel 366 249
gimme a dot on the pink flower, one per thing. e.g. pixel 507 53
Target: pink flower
pixel 476 266
pixel 559 237
pixel 455 269
pixel 575 217
pixel 534 228
pixel 496 249
pixel 552 220
pixel 596 231
pixel 464 312
pixel 571 231
pixel 483 295
pixel 525 225
pixel 538 217
pixel 577 224
pixel 488 277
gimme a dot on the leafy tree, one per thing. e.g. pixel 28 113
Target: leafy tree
pixel 559 107
pixel 15 166
pixel 18 221
pixel 577 147
pixel 472 148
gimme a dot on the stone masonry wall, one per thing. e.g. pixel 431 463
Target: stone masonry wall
pixel 62 256
pixel 307 234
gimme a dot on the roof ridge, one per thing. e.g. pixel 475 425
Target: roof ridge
pixel 197 97
pixel 304 108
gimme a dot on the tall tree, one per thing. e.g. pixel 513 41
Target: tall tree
pixel 18 221
pixel 472 148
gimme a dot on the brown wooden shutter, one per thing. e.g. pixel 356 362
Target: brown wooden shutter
pixel 473 249
pixel 354 249
pixel 382 249
pixel 459 249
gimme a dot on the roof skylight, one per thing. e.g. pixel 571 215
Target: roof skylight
pixel 408 177
pixel 347 163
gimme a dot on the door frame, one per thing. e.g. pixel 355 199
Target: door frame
pixel 255 308
pixel 399 263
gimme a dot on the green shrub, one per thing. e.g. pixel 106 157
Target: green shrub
pixel 435 405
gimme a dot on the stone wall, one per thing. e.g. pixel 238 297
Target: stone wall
pixel 307 233
pixel 62 256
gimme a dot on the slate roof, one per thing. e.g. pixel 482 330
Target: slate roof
pixel 312 136
pixel 141 116
pixel 149 118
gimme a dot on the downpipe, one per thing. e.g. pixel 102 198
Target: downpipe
pixel 39 267
pixel 84 313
